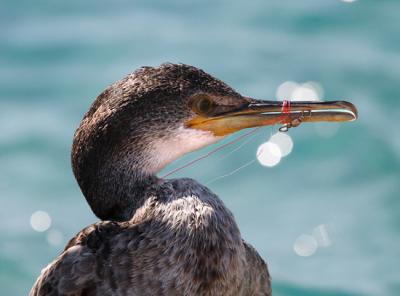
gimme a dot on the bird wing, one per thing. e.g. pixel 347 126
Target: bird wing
pixel 74 272
pixel 70 274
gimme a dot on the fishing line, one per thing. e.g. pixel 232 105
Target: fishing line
pixel 232 172
pixel 250 138
pixel 211 152
pixel 286 109
pixel 284 118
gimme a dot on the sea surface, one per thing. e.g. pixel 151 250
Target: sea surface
pixel 57 56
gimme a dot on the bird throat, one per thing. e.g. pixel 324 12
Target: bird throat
pixel 117 179
pixel 115 191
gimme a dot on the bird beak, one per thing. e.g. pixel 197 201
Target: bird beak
pixel 260 113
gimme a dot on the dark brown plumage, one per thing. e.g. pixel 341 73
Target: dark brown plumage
pixel 158 237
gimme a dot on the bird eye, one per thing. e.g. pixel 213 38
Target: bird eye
pixel 203 105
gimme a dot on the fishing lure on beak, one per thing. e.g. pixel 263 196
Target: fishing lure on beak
pixel 292 114
pixel 289 122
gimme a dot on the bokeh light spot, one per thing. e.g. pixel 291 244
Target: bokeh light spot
pixel 54 237
pixel 305 245
pixel 321 235
pixel 284 143
pixel 319 90
pixel 269 154
pixel 309 91
pixel 286 89
pixel 305 93
pixel 40 221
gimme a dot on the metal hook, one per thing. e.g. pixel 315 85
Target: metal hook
pixel 284 128
pixel 295 122
pixel 303 113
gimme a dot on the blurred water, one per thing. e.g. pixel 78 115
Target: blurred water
pixel 55 57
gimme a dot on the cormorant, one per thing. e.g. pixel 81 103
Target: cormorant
pixel 159 236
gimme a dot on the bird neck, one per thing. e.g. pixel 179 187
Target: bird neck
pixel 116 166
pixel 117 188
pixel 114 176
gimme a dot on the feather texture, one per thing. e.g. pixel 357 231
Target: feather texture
pixel 182 242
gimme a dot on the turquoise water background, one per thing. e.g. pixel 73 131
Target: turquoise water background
pixel 57 56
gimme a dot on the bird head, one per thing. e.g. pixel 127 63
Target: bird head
pixel 174 109
pixel 155 115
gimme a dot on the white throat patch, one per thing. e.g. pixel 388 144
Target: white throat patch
pixel 182 141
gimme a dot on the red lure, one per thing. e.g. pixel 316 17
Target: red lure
pixel 286 112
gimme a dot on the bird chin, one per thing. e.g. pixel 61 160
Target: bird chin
pixel 182 141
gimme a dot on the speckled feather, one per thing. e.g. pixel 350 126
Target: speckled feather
pixel 162 237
